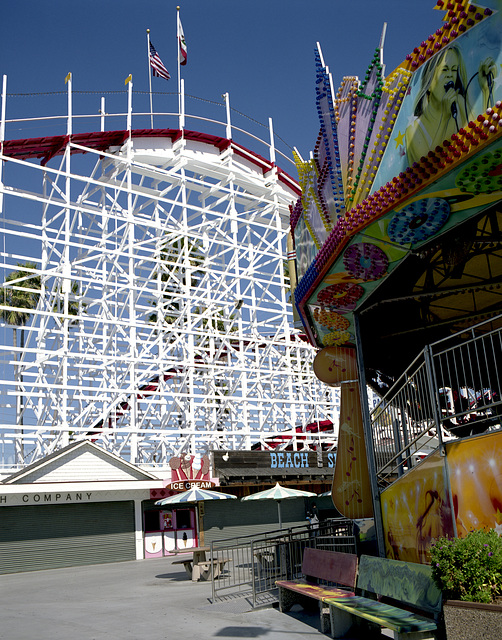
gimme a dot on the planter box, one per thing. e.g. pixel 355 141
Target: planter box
pixel 472 620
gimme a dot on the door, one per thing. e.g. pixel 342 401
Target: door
pixel 36 537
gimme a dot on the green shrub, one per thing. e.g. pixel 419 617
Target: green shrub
pixel 469 568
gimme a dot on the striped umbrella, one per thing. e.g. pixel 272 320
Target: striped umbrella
pixel 195 495
pixel 279 493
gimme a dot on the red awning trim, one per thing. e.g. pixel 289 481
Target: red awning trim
pixel 49 147
pixel 286 179
pixel 55 149
pixel 255 158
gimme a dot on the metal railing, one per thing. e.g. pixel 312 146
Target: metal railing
pixel 252 564
pixel 452 389
pixel 116 112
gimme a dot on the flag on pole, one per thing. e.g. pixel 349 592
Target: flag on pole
pixel 158 68
pixel 182 53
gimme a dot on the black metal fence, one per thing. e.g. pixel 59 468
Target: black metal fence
pixel 253 564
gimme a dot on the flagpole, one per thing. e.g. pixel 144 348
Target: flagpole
pixel 149 76
pixel 2 130
pixel 178 59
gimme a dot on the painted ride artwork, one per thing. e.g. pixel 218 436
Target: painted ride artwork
pixel 397 240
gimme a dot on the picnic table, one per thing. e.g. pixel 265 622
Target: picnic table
pixel 199 567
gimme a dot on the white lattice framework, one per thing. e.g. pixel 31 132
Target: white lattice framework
pixel 163 324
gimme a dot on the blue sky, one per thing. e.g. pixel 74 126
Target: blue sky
pixel 261 52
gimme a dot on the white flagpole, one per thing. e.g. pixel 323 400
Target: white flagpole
pixel 69 125
pixel 149 76
pixel 129 104
pixel 178 59
pixel 182 105
pixel 2 131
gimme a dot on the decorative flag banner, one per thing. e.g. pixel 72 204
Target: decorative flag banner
pixel 182 53
pixel 158 68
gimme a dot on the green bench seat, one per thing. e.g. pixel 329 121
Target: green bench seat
pixel 319 565
pixel 408 602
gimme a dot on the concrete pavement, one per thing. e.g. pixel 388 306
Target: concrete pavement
pixel 133 601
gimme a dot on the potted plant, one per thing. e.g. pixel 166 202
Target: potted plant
pixel 468 571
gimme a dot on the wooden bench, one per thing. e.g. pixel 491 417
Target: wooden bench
pixel 203 570
pixel 408 602
pixel 317 564
pixel 209 569
pixel 198 554
pixel 187 563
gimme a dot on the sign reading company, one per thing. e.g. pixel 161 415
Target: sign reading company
pixel 46 498
pixel 30 495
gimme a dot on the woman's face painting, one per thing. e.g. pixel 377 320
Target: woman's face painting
pixel 446 72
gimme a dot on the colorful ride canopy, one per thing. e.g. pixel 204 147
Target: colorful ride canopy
pixel 398 221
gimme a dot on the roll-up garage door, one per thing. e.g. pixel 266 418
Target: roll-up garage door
pixel 231 518
pixel 52 536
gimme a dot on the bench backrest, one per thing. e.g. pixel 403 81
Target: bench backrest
pixel 407 582
pixel 332 566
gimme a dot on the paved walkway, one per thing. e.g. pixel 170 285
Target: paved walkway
pixel 133 601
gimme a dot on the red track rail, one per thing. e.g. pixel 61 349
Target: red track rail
pixel 51 146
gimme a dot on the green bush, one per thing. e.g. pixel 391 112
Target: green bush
pixel 469 568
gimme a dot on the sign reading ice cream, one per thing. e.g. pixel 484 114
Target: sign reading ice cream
pixel 190 471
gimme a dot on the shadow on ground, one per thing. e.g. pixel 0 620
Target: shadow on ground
pixel 175 577
pixel 241 632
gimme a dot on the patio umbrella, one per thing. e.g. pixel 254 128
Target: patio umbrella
pixel 195 495
pixel 279 493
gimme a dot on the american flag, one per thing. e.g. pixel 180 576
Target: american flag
pixel 158 68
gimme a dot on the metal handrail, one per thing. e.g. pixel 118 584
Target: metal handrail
pixel 451 389
pixel 270 147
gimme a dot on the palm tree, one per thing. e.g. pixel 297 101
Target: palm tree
pixel 21 292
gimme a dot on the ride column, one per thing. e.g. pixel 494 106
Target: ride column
pixel 351 490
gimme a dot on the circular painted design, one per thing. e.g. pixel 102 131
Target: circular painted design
pixel 419 220
pixel 366 261
pixel 333 365
pixel 330 319
pixel 336 338
pixel 483 175
pixel 343 296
